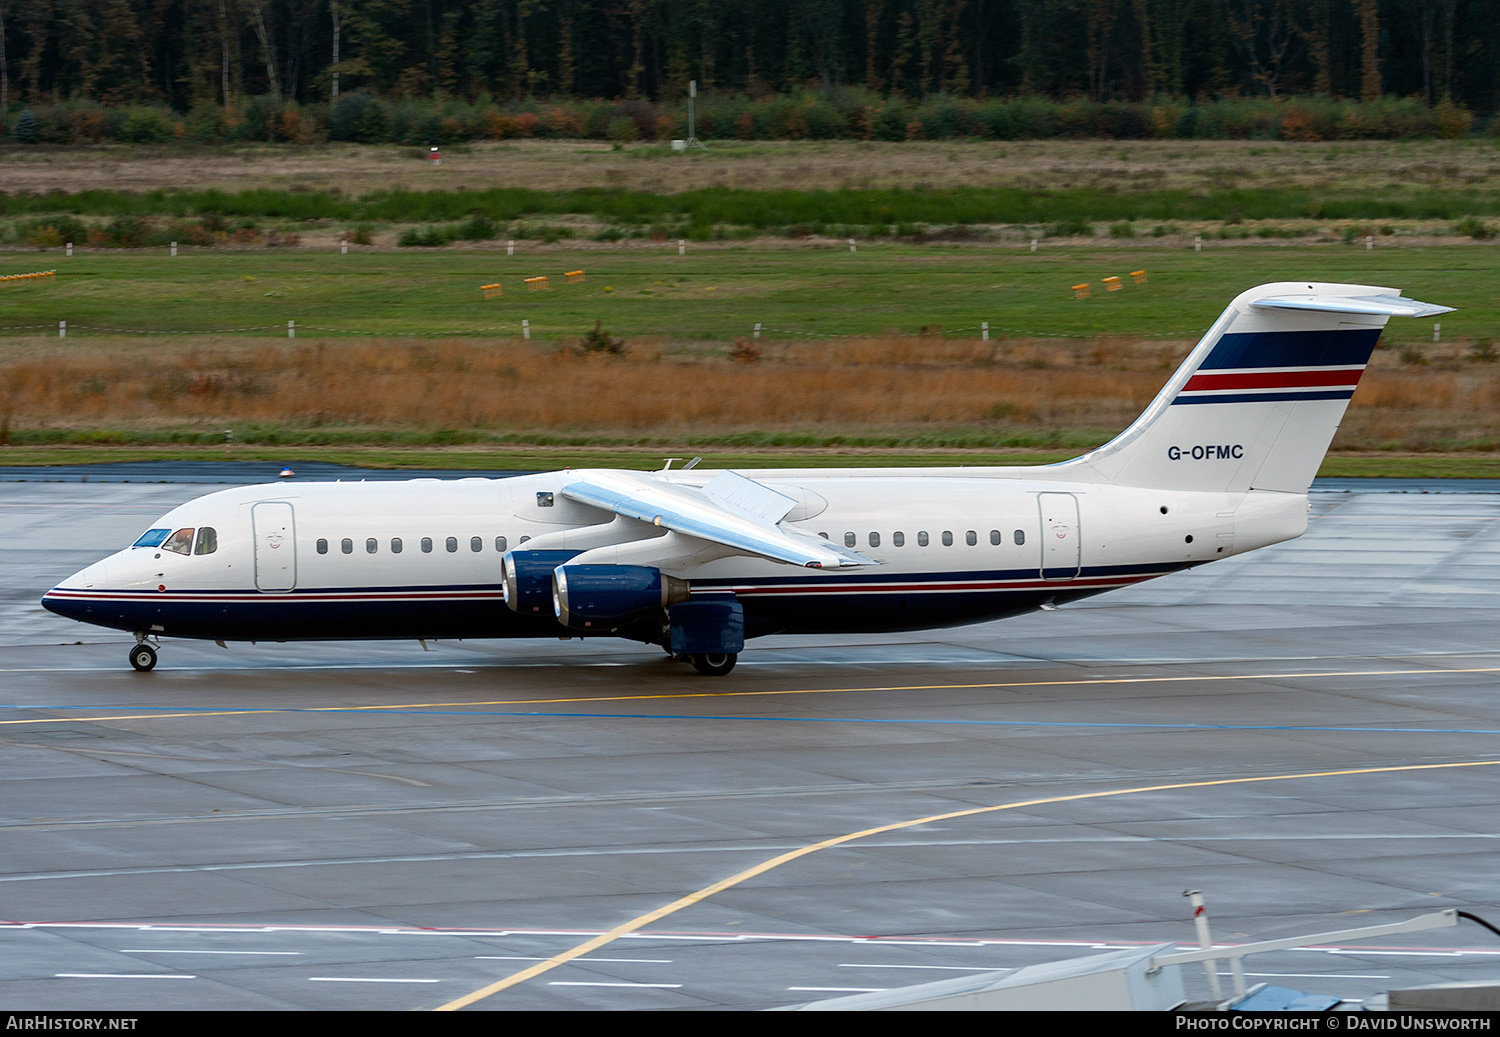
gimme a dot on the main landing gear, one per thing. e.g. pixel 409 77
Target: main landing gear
pixel 715 664
pixel 712 664
pixel 143 657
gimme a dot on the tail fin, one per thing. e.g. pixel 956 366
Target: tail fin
pixel 1256 404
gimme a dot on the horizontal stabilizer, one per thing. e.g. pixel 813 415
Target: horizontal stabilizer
pixel 1383 305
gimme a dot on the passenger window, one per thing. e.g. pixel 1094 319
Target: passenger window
pixel 322 546
pixel 347 546
pixel 994 538
pixel 823 535
pixel 874 539
pixel 371 546
pixel 523 540
pixel 899 539
pixel 395 545
pixel 922 538
pixel 971 538
pixel 427 545
pixel 500 544
pixel 180 542
pixel 850 540
pixel 1020 536
pixel 451 544
pixel 947 539
pixel 152 538
pixel 476 544
pixel 208 541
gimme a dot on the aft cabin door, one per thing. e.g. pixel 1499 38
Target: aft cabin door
pixel 275 546
pixel 1061 544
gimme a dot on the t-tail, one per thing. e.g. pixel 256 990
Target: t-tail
pixel 1256 403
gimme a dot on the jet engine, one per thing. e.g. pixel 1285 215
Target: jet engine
pixel 606 597
pixel 526 579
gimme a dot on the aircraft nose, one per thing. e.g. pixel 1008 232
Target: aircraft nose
pixel 66 598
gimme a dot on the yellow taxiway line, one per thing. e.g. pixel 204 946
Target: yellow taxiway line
pixel 646 919
pixel 1206 678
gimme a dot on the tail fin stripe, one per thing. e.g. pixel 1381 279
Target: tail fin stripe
pixel 1267 379
pixel 1265 397
pixel 1350 348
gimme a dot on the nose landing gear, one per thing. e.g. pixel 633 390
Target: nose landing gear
pixel 143 657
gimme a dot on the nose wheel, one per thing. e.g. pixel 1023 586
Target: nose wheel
pixel 143 657
pixel 715 664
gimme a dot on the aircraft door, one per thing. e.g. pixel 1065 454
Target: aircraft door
pixel 1061 543
pixel 275 546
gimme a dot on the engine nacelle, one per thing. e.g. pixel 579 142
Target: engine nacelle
pixel 526 579
pixel 606 597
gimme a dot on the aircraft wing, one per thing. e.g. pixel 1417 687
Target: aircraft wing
pixel 730 510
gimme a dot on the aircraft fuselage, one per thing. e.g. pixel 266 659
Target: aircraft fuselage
pixel 422 559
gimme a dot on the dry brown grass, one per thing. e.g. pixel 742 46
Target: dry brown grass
pixel 885 382
pixel 551 165
pixel 665 388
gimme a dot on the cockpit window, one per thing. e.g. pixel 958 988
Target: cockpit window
pixel 152 538
pixel 208 541
pixel 180 542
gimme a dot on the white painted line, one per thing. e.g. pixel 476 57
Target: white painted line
pixel 946 968
pixel 661 986
pixel 614 851
pixel 941 942
pixel 122 975
pixel 618 961
pixel 365 979
pixel 1305 975
pixel 841 990
pixel 1399 954
pixel 164 950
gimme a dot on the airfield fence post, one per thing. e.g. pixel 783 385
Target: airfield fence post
pixel 62 329
pixel 1437 332
pixel 1198 243
pixel 682 246
pixel 291 329
pixel 344 247
pixel 510 247
pixel 1369 242
pixel 174 250
pixel 851 246
pixel 70 250
pixel 526 330
pixel 984 329
pixel 757 331
pixel 1033 244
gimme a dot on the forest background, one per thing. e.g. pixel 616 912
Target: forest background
pixel 439 71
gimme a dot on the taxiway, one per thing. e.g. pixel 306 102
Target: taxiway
pixel 1306 733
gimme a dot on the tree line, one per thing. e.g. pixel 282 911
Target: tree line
pixel 184 53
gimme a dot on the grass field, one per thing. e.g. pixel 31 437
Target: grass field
pixel 718 294
pixel 1126 166
pixel 1161 193
pixel 871 357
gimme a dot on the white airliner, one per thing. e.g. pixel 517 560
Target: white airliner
pixel 698 561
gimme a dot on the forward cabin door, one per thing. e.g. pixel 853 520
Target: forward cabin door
pixel 1061 544
pixel 275 546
